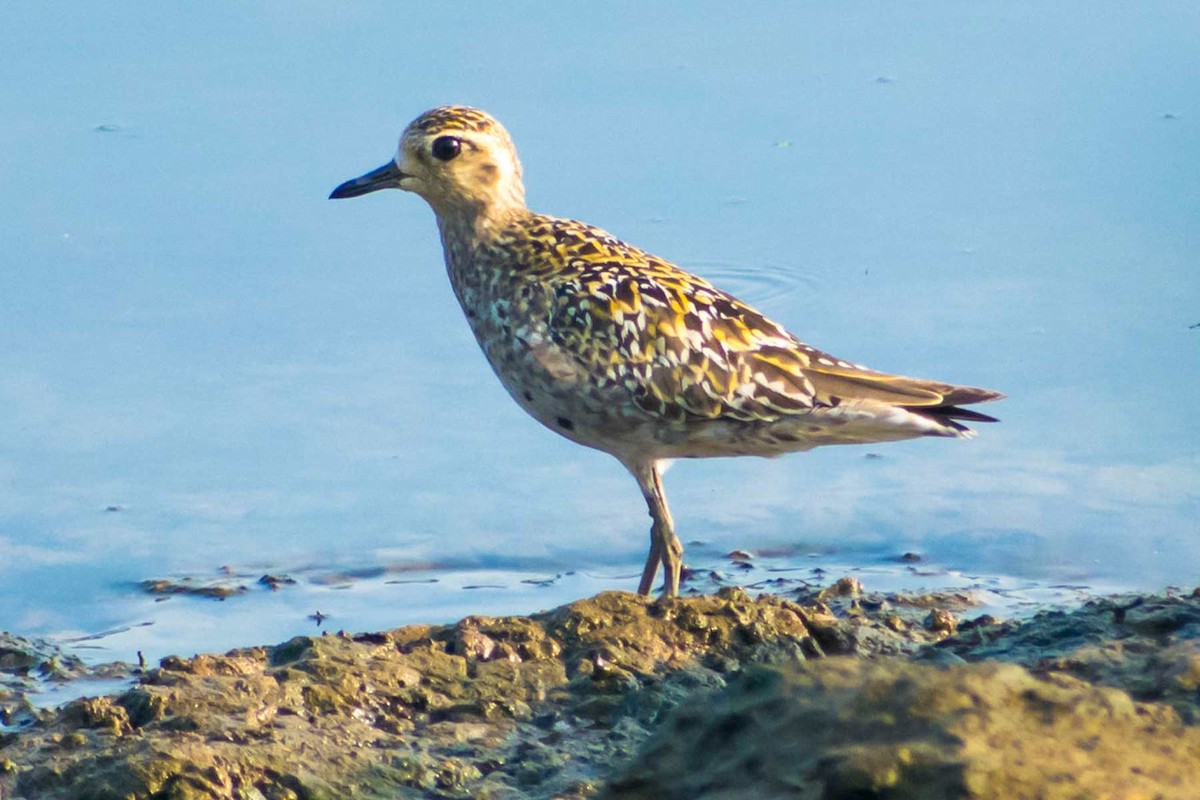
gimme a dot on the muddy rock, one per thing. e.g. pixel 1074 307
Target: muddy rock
pixel 496 707
pixel 23 659
pixel 722 695
pixel 844 728
pixel 28 665
pixel 1148 645
pixel 846 619
pixel 219 588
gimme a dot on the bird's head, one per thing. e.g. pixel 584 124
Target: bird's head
pixel 460 159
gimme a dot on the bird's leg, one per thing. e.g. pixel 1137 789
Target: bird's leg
pixel 652 560
pixel 665 547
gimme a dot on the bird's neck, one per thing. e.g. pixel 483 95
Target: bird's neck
pixel 467 230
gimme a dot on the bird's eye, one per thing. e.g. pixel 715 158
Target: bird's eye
pixel 446 147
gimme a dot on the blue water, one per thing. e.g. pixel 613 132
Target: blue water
pixel 999 194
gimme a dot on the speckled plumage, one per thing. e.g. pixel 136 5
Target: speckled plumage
pixel 622 351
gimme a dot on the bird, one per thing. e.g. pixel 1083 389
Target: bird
pixel 622 351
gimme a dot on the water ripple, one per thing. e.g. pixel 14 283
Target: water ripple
pixel 769 286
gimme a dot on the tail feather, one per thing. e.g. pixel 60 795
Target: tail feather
pixel 835 382
pixel 966 395
pixel 952 399
pixel 954 412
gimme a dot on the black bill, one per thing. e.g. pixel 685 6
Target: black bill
pixel 386 177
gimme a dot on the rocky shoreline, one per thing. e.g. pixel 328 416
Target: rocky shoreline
pixel 838 693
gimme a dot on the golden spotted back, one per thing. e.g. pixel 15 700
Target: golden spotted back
pixel 683 349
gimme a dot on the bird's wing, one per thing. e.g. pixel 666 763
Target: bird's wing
pixel 687 350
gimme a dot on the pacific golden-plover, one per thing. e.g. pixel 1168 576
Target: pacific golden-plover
pixel 619 350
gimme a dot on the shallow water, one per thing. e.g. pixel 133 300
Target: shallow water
pixel 204 363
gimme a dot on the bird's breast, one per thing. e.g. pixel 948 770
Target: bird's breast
pixel 510 321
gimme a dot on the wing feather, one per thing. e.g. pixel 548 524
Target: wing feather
pixel 688 351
